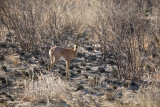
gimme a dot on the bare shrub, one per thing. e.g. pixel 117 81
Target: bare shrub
pixel 22 20
pixel 124 31
pixel 35 23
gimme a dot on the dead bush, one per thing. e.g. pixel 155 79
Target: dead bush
pixel 125 31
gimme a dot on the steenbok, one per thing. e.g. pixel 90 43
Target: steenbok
pixel 68 54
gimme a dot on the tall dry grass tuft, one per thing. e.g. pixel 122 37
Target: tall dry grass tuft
pixel 47 88
pixel 149 96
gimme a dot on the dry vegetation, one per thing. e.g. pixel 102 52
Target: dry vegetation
pixel 127 33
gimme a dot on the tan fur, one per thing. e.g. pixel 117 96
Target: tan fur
pixel 68 54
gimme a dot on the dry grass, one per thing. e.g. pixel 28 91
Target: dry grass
pixel 3 33
pixel 47 88
pixel 149 96
pixel 13 59
pixel 120 27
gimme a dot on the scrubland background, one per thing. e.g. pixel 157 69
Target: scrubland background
pixel 128 30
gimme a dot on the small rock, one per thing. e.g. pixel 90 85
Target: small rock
pixel 76 66
pixel 20 52
pixel 83 64
pixel 3 80
pixel 85 75
pixel 72 74
pixel 101 70
pixel 81 54
pixel 25 73
pixel 47 67
pixel 4 68
pixel 79 71
pixel 71 67
pixel 9 82
pixel 112 62
pixel 61 69
pixel 42 62
pixel 133 83
pixel 28 56
pixel 2 57
pixel 13 46
pixel 3 101
pixel 91 58
pixel 89 48
pixel 91 92
pixel 3 45
pixel 80 87
pixel 30 61
pixel 63 73
pixel 35 52
pixel 87 68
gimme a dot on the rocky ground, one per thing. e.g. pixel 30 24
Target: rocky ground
pixel 25 80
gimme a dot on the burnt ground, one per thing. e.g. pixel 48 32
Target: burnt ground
pixel 93 82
